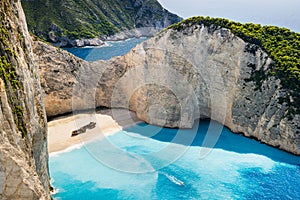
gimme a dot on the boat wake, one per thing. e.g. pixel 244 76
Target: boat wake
pixel 173 179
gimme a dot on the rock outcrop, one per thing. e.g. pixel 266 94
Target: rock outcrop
pixel 177 77
pixel 23 127
pixel 59 71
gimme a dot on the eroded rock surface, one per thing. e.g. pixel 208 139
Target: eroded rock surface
pixel 23 129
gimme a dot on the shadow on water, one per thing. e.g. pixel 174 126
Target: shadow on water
pixel 227 141
pixel 82 53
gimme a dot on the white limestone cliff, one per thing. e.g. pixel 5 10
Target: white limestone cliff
pixel 177 77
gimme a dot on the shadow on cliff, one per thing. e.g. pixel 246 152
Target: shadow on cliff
pixel 227 141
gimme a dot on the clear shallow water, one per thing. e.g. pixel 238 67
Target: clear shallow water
pixel 105 52
pixel 237 168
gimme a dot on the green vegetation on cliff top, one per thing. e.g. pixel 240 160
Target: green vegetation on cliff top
pixel 281 44
pixel 92 18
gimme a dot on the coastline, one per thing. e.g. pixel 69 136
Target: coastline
pixel 65 42
pixel 108 122
pixel 106 43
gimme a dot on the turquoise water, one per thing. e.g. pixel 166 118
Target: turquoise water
pixel 107 51
pixel 146 162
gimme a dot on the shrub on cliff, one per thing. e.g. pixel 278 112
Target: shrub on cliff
pixel 93 18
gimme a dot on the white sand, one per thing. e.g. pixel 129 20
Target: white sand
pixel 107 123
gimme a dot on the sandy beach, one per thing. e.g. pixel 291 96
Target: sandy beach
pixel 107 122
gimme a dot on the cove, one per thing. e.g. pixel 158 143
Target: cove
pixel 150 162
pixel 116 168
pixel 107 51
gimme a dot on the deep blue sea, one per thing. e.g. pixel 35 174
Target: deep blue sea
pixel 149 162
pixel 105 52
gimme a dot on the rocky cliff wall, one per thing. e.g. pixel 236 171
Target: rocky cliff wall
pixel 177 77
pixel 23 128
pixel 59 73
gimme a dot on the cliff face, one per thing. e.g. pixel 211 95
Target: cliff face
pixel 23 129
pixel 59 72
pixel 179 76
pixel 70 20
